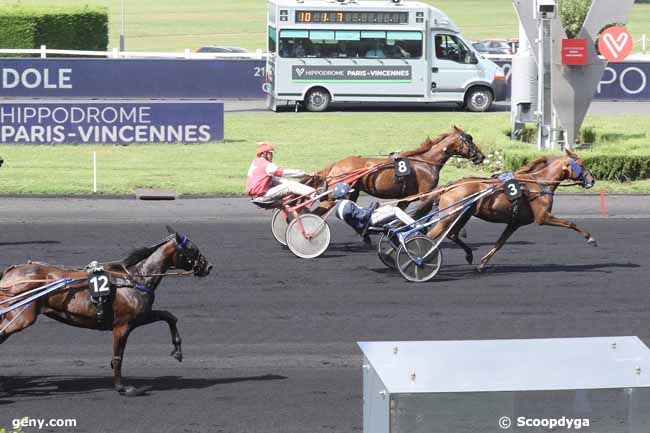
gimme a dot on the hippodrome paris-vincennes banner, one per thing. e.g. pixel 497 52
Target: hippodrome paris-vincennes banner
pixel 110 123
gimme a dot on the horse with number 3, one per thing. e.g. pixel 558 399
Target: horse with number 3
pixel 538 182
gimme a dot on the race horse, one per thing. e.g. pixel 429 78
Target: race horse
pixel 135 279
pixel 382 182
pixel 538 181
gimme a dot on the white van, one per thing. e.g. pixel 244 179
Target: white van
pixel 323 51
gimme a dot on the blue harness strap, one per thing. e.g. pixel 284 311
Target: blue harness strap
pixel 504 177
pixel 577 170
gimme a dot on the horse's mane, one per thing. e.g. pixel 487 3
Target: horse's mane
pixel 139 254
pixel 426 145
pixel 536 165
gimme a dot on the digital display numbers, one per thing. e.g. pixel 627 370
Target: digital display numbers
pixel 347 17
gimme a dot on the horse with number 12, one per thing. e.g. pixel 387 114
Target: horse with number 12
pixel 66 295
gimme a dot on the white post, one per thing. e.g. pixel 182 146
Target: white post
pixel 540 84
pixel 122 37
pixel 644 41
pixel 43 52
pixel 187 53
pixel 94 172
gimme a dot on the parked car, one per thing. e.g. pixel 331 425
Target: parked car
pixel 498 46
pixel 220 49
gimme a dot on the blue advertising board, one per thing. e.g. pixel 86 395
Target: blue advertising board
pixel 621 81
pixel 209 79
pixel 131 78
pixel 110 122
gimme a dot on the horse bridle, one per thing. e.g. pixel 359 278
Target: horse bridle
pixel 578 171
pixel 183 261
pixel 468 141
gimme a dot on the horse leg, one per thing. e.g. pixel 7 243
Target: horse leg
pixel 510 229
pixel 454 236
pixel 158 315
pixel 120 335
pixel 550 220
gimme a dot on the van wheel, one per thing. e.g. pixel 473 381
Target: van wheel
pixel 478 99
pixel 317 100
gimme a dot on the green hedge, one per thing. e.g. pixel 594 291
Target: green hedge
pixel 612 167
pixel 56 27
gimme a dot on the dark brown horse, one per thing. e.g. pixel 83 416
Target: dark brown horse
pixel 426 162
pixel 539 180
pixel 135 278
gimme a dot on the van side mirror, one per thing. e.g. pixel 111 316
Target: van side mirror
pixel 470 58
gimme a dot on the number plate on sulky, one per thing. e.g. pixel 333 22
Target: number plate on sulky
pixel 99 284
pixel 402 167
pixel 512 188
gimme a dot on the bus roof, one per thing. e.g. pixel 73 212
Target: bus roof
pixel 437 18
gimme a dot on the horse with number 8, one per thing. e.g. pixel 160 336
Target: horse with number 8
pixel 382 182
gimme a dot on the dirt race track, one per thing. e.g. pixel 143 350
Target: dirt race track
pixel 269 340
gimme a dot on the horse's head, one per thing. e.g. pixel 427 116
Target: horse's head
pixel 187 255
pixel 463 145
pixel 577 171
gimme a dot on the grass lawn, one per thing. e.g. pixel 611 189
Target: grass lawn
pixel 163 25
pixel 305 140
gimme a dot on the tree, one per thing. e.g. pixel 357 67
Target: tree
pixel 573 14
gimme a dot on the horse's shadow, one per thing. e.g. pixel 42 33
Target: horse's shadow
pixel 46 386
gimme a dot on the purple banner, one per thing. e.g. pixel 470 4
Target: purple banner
pixel 132 79
pixel 110 123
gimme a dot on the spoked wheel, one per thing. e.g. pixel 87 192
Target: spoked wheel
pixel 314 241
pixel 387 250
pixel 422 261
pixel 279 224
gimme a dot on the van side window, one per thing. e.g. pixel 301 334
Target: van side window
pixel 368 44
pixel 449 47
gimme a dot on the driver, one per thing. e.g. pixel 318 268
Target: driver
pixel 360 218
pixel 265 180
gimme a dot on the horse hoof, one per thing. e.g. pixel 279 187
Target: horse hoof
pixel 591 241
pixel 480 268
pixel 469 258
pixel 132 391
pixel 178 355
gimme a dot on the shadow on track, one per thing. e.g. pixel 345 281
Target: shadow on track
pixel 5 244
pixel 45 386
pixel 467 272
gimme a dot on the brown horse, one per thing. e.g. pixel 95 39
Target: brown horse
pixel 426 162
pixel 135 280
pixel 539 180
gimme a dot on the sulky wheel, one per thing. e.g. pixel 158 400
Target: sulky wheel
pixel 387 249
pixel 279 224
pixel 422 261
pixel 314 241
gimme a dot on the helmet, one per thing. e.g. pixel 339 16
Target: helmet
pixel 341 190
pixel 263 147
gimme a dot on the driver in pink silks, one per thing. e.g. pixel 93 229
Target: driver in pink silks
pixel 265 180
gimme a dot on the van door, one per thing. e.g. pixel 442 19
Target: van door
pixel 454 66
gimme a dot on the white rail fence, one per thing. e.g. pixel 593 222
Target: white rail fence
pixel 43 52
pixel 187 54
